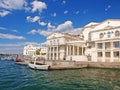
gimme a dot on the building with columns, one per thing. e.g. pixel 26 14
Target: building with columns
pixel 63 46
pixel 103 41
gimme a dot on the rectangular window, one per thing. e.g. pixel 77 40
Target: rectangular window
pixel 57 41
pixel 54 42
pixel 100 54
pixel 100 45
pixel 108 34
pixel 117 44
pixel 116 54
pixel 107 54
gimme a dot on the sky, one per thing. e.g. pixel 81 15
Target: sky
pixel 31 21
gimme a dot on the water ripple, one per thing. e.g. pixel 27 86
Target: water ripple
pixel 16 77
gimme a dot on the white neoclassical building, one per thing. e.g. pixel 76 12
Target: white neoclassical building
pixel 103 41
pixel 30 50
pixel 63 46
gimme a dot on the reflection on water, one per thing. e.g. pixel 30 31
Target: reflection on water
pixel 16 77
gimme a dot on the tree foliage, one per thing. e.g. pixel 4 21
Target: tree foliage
pixel 38 52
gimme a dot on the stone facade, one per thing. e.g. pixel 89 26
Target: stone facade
pixel 30 50
pixel 63 46
pixel 103 41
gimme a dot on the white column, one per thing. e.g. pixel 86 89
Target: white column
pixel 67 51
pixel 53 54
pixel 73 50
pixel 57 53
pixel 50 53
pixel 95 57
pixel 47 54
pixel 82 51
pixel 70 50
pixel 111 52
pixel 77 50
pixel 103 51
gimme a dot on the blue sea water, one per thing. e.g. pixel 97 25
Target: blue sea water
pixel 17 77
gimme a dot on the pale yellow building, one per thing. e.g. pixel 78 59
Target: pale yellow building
pixel 30 50
pixel 63 46
pixel 103 41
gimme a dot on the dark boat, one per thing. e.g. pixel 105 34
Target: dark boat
pixel 17 59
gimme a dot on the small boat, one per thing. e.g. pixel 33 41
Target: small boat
pixel 38 66
pixel 17 59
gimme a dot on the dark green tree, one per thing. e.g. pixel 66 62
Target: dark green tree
pixel 38 52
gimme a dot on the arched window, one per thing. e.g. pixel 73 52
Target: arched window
pixel 117 33
pixel 101 35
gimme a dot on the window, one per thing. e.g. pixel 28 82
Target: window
pixel 101 35
pixel 54 42
pixel 117 33
pixel 89 36
pixel 57 41
pixel 108 34
pixel 89 47
pixel 117 44
pixel 100 45
pixel 116 54
pixel 100 54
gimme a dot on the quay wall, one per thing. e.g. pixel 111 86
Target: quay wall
pixel 60 64
pixel 57 64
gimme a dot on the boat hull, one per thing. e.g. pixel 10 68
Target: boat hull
pixel 38 67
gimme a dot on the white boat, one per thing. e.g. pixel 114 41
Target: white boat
pixel 38 66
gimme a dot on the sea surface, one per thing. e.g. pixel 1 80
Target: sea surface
pixel 17 77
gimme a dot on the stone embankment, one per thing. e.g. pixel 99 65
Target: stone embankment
pixel 61 65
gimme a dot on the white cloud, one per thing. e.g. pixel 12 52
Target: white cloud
pixel 32 31
pixel 108 7
pixel 8 5
pixel 11 45
pixel 13 4
pixel 65 27
pixel 4 13
pixel 35 19
pixel 50 26
pixel 2 28
pixel 54 14
pixel 15 31
pixel 63 2
pixel 77 12
pixel 42 23
pixel 10 36
pixel 65 12
pixel 38 5
pixel 85 11
pixel 44 33
pixel 32 19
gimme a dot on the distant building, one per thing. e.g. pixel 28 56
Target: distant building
pixel 103 41
pixel 63 46
pixel 30 50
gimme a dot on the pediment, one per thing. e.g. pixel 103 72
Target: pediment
pixel 55 35
pixel 108 24
pixel 108 27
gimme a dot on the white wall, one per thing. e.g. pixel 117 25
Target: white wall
pixel 95 35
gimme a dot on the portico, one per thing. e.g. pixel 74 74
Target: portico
pixel 75 51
